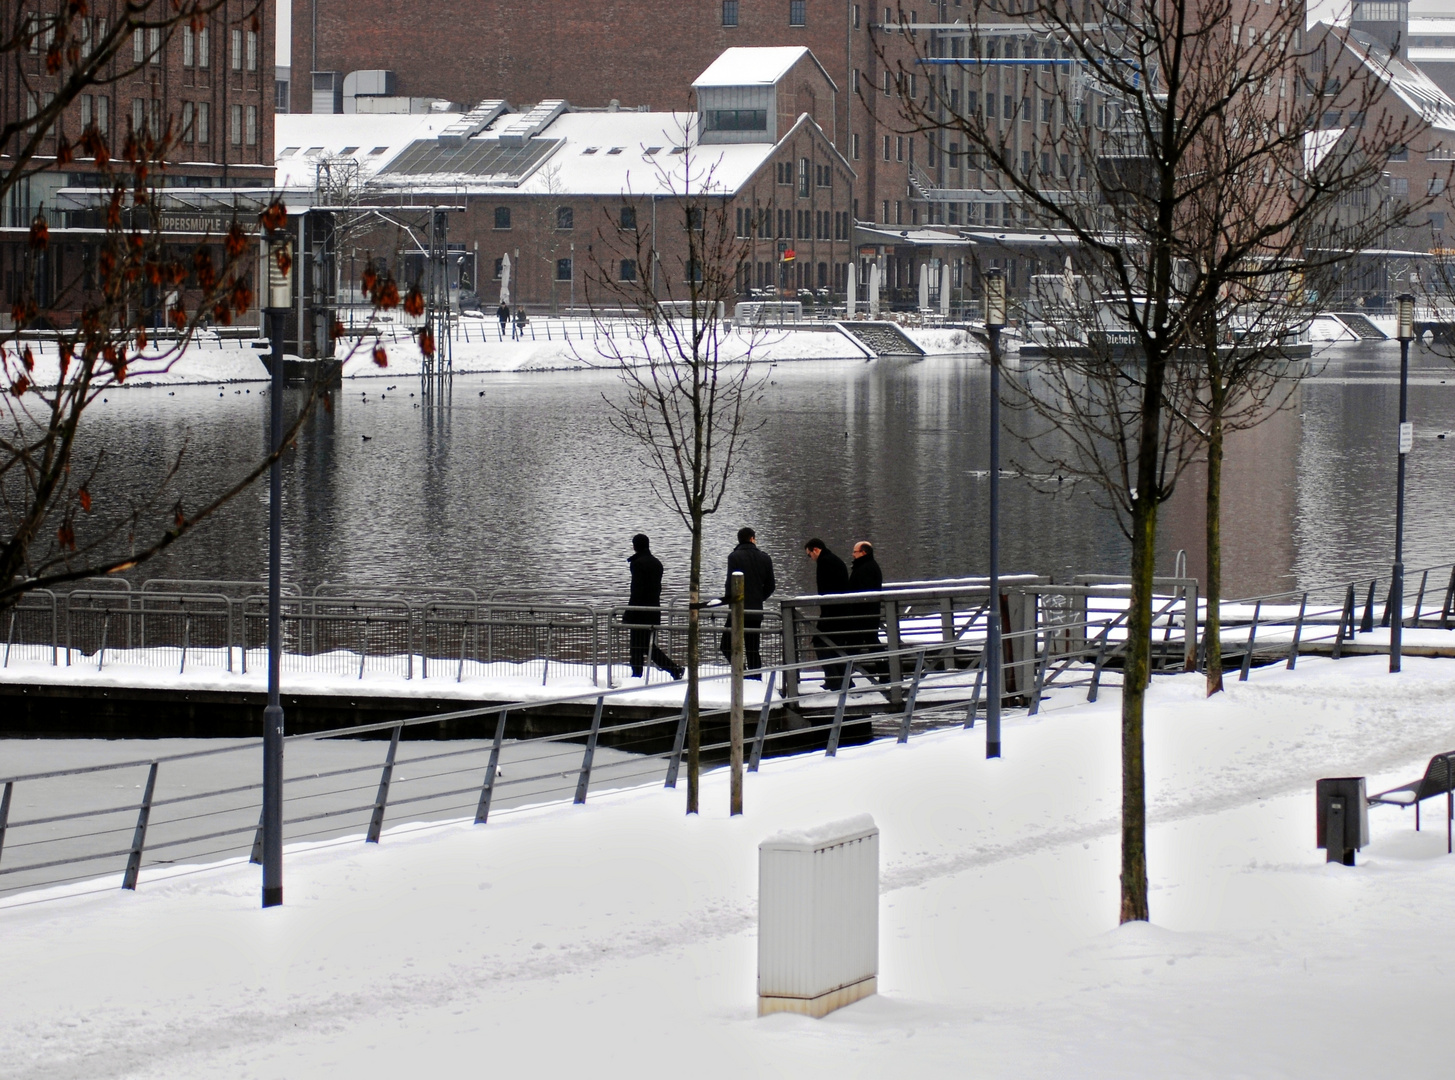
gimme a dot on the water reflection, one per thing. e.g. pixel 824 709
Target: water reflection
pixel 519 481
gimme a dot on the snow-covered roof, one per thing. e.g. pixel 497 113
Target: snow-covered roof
pixel 1431 27
pixel 1430 54
pixel 750 66
pixel 1411 85
pixel 302 139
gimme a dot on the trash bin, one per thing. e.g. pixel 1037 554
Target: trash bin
pixel 1343 810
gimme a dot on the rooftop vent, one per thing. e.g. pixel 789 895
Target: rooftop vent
pixel 532 123
pixel 472 123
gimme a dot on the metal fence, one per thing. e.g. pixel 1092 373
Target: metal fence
pixel 1062 641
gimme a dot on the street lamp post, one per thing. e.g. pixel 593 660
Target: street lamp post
pixel 1405 332
pixel 280 297
pixel 994 321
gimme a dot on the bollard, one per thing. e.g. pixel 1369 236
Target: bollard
pixel 1343 817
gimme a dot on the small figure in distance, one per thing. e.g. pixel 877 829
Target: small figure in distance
pixel 863 636
pixel 520 321
pixel 644 608
pixel 758 585
pixel 503 314
pixel 831 576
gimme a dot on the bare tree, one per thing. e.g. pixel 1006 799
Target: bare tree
pixel 1102 124
pixel 688 383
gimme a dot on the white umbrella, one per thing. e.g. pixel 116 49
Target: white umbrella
pixel 924 286
pixel 945 289
pixel 874 290
pixel 853 281
pixel 505 280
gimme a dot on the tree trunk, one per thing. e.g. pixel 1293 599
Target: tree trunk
pixel 694 655
pixel 1212 630
pixel 1134 691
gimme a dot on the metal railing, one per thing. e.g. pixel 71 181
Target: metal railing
pixel 200 806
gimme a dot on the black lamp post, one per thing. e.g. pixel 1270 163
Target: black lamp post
pixel 279 301
pixel 1405 331
pixel 994 321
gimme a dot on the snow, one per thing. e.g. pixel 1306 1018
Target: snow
pixel 813 838
pixel 747 66
pixel 332 133
pixel 609 938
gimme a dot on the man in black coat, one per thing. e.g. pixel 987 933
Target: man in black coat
pixel 646 595
pixel 758 585
pixel 831 576
pixel 863 636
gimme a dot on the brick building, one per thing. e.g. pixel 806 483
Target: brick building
pixel 575 196
pixel 214 84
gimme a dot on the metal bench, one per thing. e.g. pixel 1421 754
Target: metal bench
pixel 1439 779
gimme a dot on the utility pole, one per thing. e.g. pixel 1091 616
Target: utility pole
pixel 280 296
pixel 1405 331
pixel 994 673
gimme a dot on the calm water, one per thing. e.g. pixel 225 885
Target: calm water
pixel 519 482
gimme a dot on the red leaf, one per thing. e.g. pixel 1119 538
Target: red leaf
pixel 20 386
pixel 426 343
pixel 380 356
pixel 236 241
pixel 85 497
pixel 40 233
pixel 414 303
pixel 275 217
pixel 389 295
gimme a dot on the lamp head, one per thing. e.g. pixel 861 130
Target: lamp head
pixel 1405 330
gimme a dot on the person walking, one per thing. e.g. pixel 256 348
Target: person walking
pixel 644 608
pixel 758 585
pixel 831 576
pixel 863 636
pixel 503 314
pixel 520 321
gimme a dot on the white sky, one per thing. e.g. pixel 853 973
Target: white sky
pixel 285 31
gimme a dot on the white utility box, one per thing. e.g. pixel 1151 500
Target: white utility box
pixel 818 917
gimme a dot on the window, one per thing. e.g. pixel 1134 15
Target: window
pixel 1437 185
pixel 237 134
pixel 252 50
pixel 86 106
pixel 204 122
pixel 499 269
pixel 854 81
pixel 785 172
pixel 565 217
pixel 502 217
pixel 378 150
pixel 629 266
pixel 628 218
pixel 856 16
pixel 886 148
pixel 1046 110
pixel 736 120
pixel 1400 153
pixel 563 269
pixel 237 50
pixel 856 145
pixel 189 47
pixel 138 47
pixel 797 12
pixel 154 45
pixel 899 148
pixel 803 178
pixel 252 125
pixel 729 18
pixel 888 84
pixel 188 122
pixel 1380 12
pixel 204 51
pixel 138 114
pixel 1399 187
pixel 694 218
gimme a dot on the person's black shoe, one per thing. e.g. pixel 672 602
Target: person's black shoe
pixel 636 673
pixel 677 674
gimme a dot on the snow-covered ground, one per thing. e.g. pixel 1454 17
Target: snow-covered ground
pixel 617 939
pixel 551 345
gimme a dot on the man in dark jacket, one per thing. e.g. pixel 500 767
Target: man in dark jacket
pixel 831 577
pixel 644 608
pixel 863 636
pixel 758 585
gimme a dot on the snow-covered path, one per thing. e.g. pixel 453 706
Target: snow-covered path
pixel 618 938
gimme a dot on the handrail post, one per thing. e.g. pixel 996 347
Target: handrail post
pixel 892 642
pixel 376 819
pixel 1095 688
pixel 139 838
pixel 789 613
pixel 975 696
pixel 1040 683
pixel 585 780
pixel 919 670
pixel 832 749
pixel 1346 617
pixel 186 635
pixel 1297 633
pixel 1367 623
pixel 5 812
pixel 487 791
pixel 1419 599
pixel 1252 638
pixel 762 732
pixel 675 761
